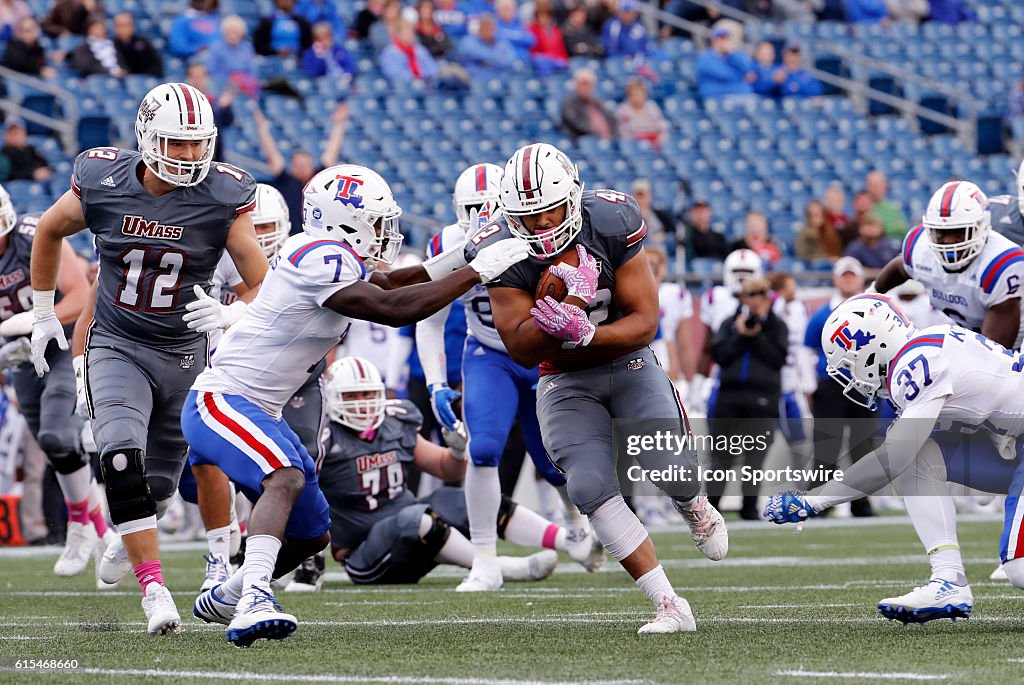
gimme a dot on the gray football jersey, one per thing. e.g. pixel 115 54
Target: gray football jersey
pixel 153 250
pixel 1006 217
pixel 364 481
pixel 613 232
pixel 15 275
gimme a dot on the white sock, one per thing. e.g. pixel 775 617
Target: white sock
pixel 260 559
pixel 530 529
pixel 219 540
pixel 231 589
pixel 457 550
pixel 655 584
pixel 76 486
pixel 483 498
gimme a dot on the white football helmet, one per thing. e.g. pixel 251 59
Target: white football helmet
pixel 354 204
pixel 476 185
pixel 271 209
pixel 175 111
pixel 861 336
pixel 739 266
pixel 539 177
pixel 355 375
pixel 8 216
pixel 1020 187
pixel 958 206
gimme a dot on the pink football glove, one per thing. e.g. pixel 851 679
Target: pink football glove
pixel 566 322
pixel 580 280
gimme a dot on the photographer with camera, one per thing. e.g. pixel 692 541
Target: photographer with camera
pixel 750 350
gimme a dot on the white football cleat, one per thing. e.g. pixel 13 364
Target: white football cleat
pixel 537 566
pixel 217 571
pixel 935 599
pixel 160 610
pixel 115 564
pixel 485 576
pixel 584 547
pixel 998 574
pixel 78 548
pixel 259 617
pixel 707 527
pixel 211 608
pixel 674 616
pixel 101 547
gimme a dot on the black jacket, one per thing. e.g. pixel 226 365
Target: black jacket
pixel 28 59
pixel 139 56
pixel 751 365
pixel 261 37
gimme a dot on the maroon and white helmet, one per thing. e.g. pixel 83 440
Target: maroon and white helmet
pixel 347 377
pixel 271 209
pixel 176 112
pixel 537 178
pixel 8 216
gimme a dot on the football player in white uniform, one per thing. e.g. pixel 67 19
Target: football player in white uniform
pixel 973 276
pixel 498 391
pixel 672 342
pixel 798 373
pixel 232 416
pixel 959 400
pixel 1008 211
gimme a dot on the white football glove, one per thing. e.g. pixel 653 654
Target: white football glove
pixel 19 324
pixel 81 406
pixel 15 352
pixel 45 327
pixel 493 260
pixel 206 314
pixel 456 440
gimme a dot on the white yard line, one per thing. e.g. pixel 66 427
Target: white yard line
pixel 861 675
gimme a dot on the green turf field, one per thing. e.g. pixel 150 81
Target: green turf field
pixel 781 608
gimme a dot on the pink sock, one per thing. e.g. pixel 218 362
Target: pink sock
pixel 98 522
pixel 78 512
pixel 550 534
pixel 149 572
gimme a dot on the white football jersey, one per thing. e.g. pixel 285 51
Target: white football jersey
pixel 479 320
pixel 371 341
pixel 286 330
pixel 718 306
pixel 980 383
pixel 995 275
pixel 795 316
pixel 676 304
pixel 921 312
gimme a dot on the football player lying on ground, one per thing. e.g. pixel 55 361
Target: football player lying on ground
pixel 379 530
pixel 959 400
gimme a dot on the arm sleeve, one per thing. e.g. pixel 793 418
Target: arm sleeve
pixel 430 346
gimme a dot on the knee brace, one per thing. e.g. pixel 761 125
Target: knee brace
pixel 124 476
pixel 437 534
pixel 589 490
pixel 618 528
pixel 1014 569
pixel 505 511
pixel 162 506
pixel 66 463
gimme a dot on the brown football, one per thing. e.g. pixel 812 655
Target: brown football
pixel 551 285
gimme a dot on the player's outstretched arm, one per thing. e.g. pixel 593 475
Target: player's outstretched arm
pixel 891 275
pixel 400 306
pixel 1002 321
pixel 399 278
pixel 64 218
pixel 73 285
pixel 438 461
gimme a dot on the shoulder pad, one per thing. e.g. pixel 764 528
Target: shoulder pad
pixel 444 239
pixel 487 235
pixel 101 167
pixel 405 412
pixel 1001 199
pixel 231 186
pixel 613 213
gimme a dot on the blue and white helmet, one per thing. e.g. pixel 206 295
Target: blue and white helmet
pixel 861 336
pixel 476 185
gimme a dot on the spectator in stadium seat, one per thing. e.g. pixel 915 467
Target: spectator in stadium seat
pixel 950 12
pixel 624 35
pixel 582 113
pixel 283 32
pixel 232 58
pixel 70 17
pixel 792 78
pixel 26 162
pixel 580 39
pixel 452 19
pixel 197 76
pixel 764 68
pixel 290 179
pixel 138 54
pixel 700 240
pixel 429 32
pixel 1014 120
pixel 195 29
pixel 873 249
pixel 892 217
pixel 548 54
pixel 867 12
pixel 97 54
pixel 661 229
pixel 756 238
pixel 321 11
pixel 907 11
pixel 11 12
pixel 25 53
pixel 862 205
pixel 326 57
pixel 817 239
pixel 405 60
pixel 383 31
pixel 367 17
pixel 639 118
pixel 485 55
pixel 796 10
pixel 834 202
pixel 723 70
pixel 511 28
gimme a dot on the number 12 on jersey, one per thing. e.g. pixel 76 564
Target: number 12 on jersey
pixel 140 288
